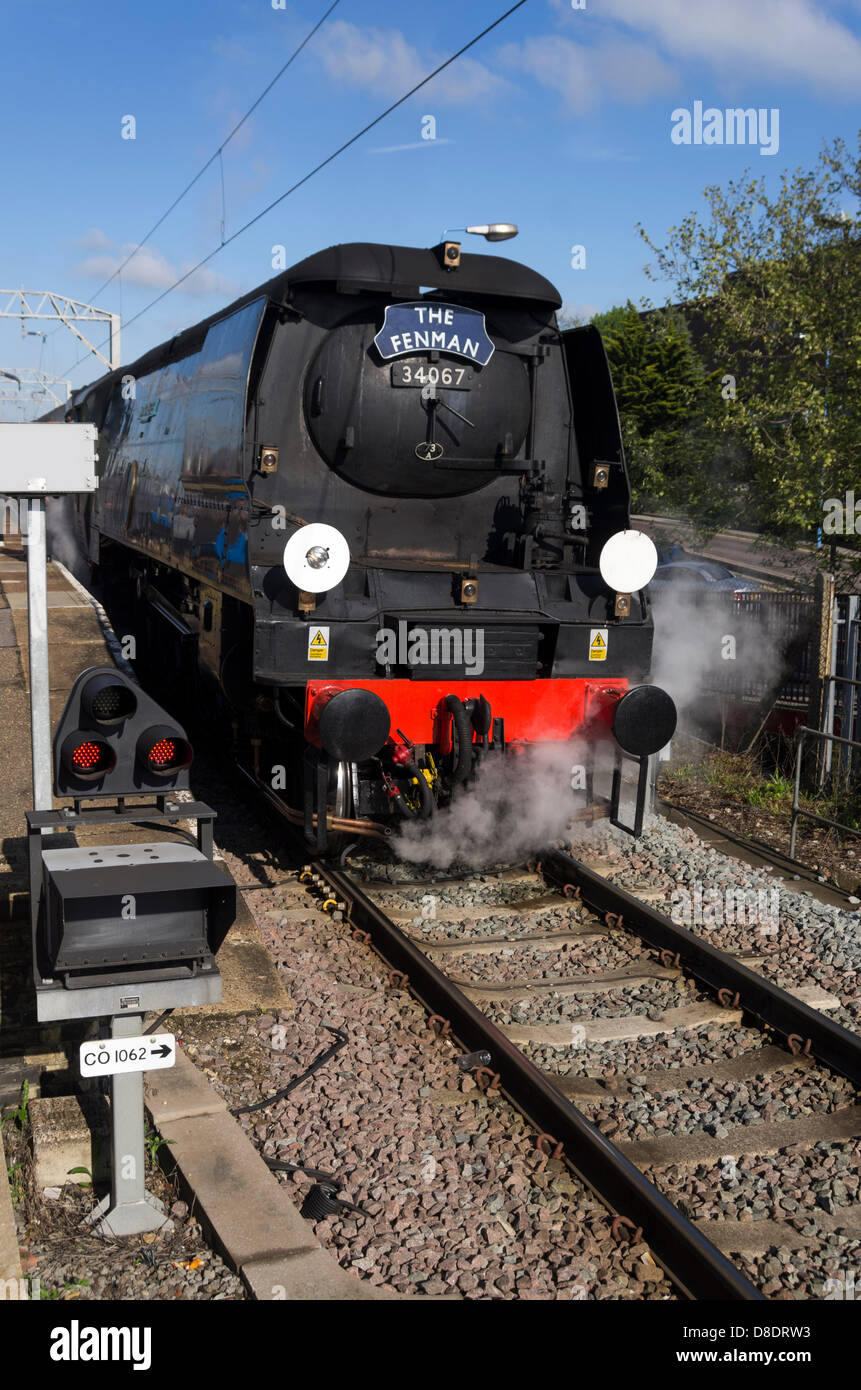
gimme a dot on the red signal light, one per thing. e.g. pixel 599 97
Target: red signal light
pixel 88 757
pixel 162 752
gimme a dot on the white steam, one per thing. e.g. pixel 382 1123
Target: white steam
pixel 516 805
pixel 63 537
pixel 712 645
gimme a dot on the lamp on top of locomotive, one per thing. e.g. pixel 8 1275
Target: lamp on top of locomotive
pixel 627 562
pixel 491 231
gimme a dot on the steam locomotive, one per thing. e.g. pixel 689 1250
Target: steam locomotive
pixel 382 502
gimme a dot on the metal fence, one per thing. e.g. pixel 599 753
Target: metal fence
pixel 843 692
pixel 831 740
pixel 775 634
pixel 778 640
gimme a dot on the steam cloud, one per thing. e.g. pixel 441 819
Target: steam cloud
pixel 515 806
pixel 518 805
pixel 63 543
pixel 690 635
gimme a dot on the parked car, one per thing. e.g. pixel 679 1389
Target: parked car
pixel 687 572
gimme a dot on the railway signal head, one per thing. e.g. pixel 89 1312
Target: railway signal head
pixel 113 740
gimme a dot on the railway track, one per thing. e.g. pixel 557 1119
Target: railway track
pixel 487 953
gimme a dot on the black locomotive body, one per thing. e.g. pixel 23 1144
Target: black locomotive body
pixel 426 407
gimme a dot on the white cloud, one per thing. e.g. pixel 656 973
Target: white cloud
pixel 577 313
pixel 383 62
pixel 411 145
pixel 235 51
pixel 559 64
pixel 149 269
pixel 94 240
pixel 584 75
pixel 771 39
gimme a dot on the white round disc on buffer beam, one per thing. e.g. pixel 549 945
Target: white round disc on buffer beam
pixel 628 561
pixel 316 557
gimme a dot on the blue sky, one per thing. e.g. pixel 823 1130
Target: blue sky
pixel 559 120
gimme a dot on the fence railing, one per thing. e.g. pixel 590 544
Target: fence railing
pixel 797 812
pixel 780 640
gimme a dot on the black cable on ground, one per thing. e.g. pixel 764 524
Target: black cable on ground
pixel 322 1199
pixel 162 1018
pixel 341 1040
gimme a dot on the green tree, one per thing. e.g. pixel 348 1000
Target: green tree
pixel 773 284
pixel 661 381
pixel 655 373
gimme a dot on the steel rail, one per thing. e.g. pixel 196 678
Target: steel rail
pixel 696 1266
pixel 805 1029
pixel 805 880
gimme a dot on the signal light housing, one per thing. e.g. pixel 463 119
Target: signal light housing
pixel 108 701
pixel 113 740
pixel 162 752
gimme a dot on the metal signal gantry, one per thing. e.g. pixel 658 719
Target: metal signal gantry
pixel 43 304
pixel 19 383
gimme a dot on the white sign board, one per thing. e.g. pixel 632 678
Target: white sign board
pixel 39 460
pixel 128 1054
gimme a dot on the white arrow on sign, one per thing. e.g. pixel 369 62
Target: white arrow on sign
pixel 128 1054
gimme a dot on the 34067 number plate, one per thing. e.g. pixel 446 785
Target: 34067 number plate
pixel 443 374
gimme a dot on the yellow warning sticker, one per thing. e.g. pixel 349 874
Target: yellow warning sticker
pixel 318 644
pixel 598 644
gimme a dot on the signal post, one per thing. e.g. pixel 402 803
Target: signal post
pixel 122 929
pixel 116 929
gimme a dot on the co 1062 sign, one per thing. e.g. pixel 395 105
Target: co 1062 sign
pixel 128 1054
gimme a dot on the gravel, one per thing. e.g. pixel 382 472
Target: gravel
pixel 795 1183
pixel 455 1196
pixel 812 942
pixel 712 1106
pixel 650 1000
pixel 569 959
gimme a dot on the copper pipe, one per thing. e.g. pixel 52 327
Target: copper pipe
pixel 338 824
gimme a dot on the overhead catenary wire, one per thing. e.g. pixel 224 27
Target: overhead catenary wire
pixel 316 170
pixel 202 170
pixel 217 155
